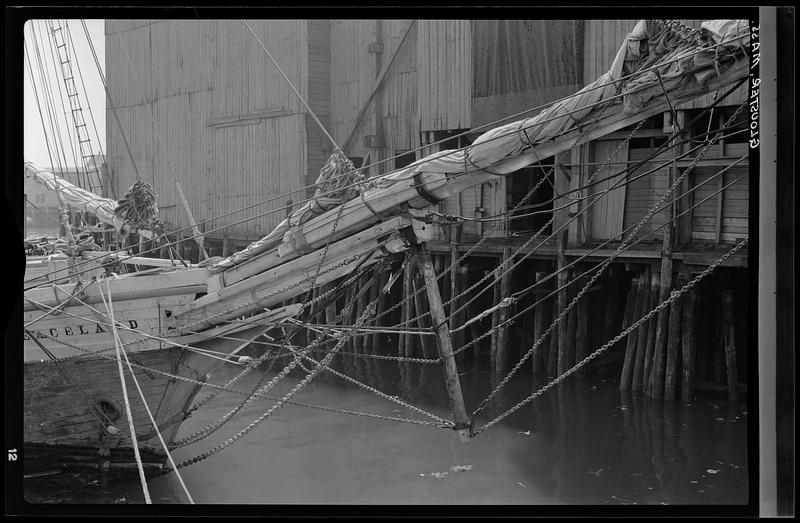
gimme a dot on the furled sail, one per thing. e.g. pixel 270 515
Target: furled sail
pixel 657 60
pixel 104 208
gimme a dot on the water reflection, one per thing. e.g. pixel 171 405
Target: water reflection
pixel 582 442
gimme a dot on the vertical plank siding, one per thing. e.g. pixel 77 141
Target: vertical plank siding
pixel 352 72
pixel 234 131
pixel 644 192
pixel 444 61
pixel 735 202
pixel 400 111
pixel 319 97
pixel 236 134
pixel 607 214
pixel 522 64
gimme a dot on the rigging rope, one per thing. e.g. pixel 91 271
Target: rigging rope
pixel 131 427
pixel 121 349
pixel 664 146
pixel 577 279
pixel 602 268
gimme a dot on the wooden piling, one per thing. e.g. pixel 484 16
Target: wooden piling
pixel 635 296
pixel 330 309
pixel 572 322
pixel 729 338
pixel 561 261
pixel 673 340
pixel 581 333
pixel 423 321
pixel 641 336
pixel 503 313
pixel 361 304
pixel 647 373
pixel 552 355
pixel 664 290
pixel 445 347
pixel 462 279
pixel 474 331
pixel 405 309
pixel 611 303
pixel 369 339
pixel 347 312
pixel 496 297
pixel 538 358
pixel 688 344
pixel 660 349
pixel 383 279
pixel 454 276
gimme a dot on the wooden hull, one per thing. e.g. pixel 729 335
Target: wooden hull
pixel 62 426
pixel 72 386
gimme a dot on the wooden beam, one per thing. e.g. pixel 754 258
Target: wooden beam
pixel 378 81
pixel 688 320
pixel 635 299
pixel 673 342
pixel 445 346
pixel 729 340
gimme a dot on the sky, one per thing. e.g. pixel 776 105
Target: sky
pixel 35 146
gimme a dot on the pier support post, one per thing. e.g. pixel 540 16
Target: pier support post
pixel 634 307
pixel 641 339
pixel 538 358
pixel 728 335
pixel 496 297
pixel 571 328
pixel 581 333
pixel 659 358
pixel 687 345
pixel 383 279
pixel 502 314
pixel 647 372
pixel 445 346
pixel 673 339
pixel 423 322
pixel 404 348
pixel 561 261
pixel 330 308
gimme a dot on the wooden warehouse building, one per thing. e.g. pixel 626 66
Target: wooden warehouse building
pixel 201 102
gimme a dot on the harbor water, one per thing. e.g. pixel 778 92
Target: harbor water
pixel 581 442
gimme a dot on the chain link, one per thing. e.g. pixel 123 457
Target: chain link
pixel 266 415
pixel 672 297
pixel 442 422
pixel 623 245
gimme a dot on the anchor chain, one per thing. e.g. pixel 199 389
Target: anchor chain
pixel 672 297
pixel 623 245
pixel 322 364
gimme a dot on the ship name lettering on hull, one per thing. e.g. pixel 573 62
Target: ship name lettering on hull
pixel 73 330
